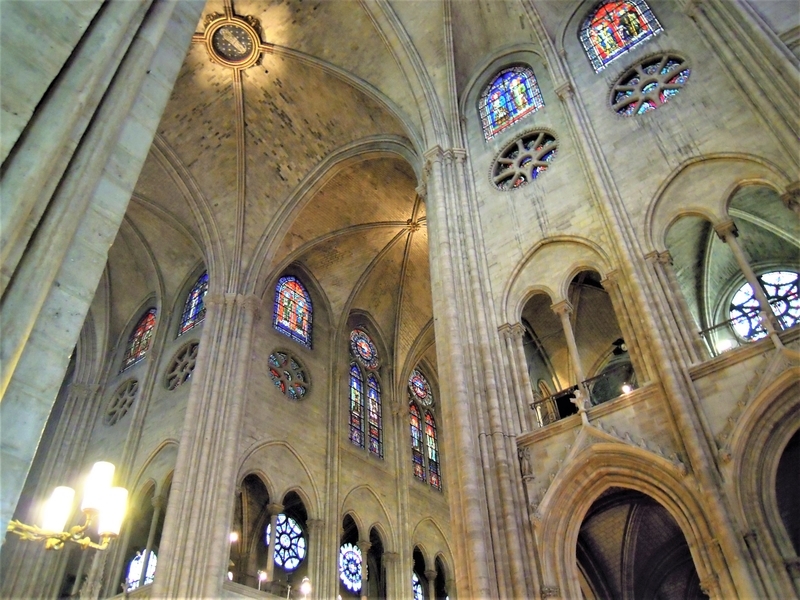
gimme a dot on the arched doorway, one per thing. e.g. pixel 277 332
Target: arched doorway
pixel 629 546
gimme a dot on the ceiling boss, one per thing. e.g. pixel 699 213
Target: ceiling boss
pixel 231 40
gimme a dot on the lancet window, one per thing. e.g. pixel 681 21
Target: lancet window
pixel 512 95
pixel 424 438
pixel 293 310
pixel 139 340
pixel 194 309
pixel 366 421
pixel 615 27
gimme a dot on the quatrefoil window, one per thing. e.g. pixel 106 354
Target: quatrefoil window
pixel 182 365
pixel 121 401
pixel 649 84
pixel 524 160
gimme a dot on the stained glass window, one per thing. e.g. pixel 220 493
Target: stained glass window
pixel 512 95
pixel 350 567
pixel 374 416
pixel 135 571
pixel 433 451
pixel 288 375
pixel 783 294
pixel 363 348
pixel 139 341
pixel 524 160
pixel 420 388
pixel 416 587
pixel 194 309
pixel 290 545
pixel 649 84
pixel 418 462
pixel 293 310
pixel 615 27
pixel 356 406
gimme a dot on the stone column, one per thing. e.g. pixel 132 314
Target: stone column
pixel 513 336
pixel 273 510
pixel 694 345
pixel 364 546
pixel 728 233
pixel 158 504
pixel 314 550
pixel 430 575
pixel 564 309
pixel 450 586
pixel 469 519
pixel 195 542
pixel 391 560
pixel 72 218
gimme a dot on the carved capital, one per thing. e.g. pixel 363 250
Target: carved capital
pixel 564 91
pixel 793 566
pixel 562 308
pixel 726 229
pixel 214 299
pixel 459 154
pixel 274 509
pixel 710 586
pixel 83 390
pixel 390 558
pixel 791 197
pixel 249 302
pixel 430 574
pixel 422 190
pixel 550 591
pixel 434 154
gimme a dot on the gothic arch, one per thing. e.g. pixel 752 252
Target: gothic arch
pixel 550 266
pixel 263 457
pixel 703 186
pixel 364 500
pixel 605 465
pixel 767 424
pixel 158 466
pixel 428 536
pixel 262 266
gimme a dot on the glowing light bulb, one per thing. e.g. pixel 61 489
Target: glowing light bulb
pixel 97 485
pixel 234 537
pixel 58 508
pixel 626 389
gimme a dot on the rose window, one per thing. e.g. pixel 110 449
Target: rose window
pixel 524 160
pixel 288 375
pixel 290 545
pixel 182 365
pixel 350 567
pixel 121 401
pixel 649 84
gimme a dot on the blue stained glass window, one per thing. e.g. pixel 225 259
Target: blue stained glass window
pixel 512 95
pixel 350 567
pixel 374 416
pixel 194 309
pixel 417 460
pixel 420 388
pixel 139 340
pixel 615 27
pixel 649 84
pixel 433 451
pixel 293 310
pixel 290 545
pixel 782 289
pixel 135 571
pixel 356 406
pixel 416 587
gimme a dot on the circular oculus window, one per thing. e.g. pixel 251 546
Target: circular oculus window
pixel 233 42
pixel 649 84
pixel 182 365
pixel 288 375
pixel 524 160
pixel 364 349
pixel 121 401
pixel 420 388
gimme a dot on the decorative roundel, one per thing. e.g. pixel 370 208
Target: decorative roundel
pixel 288 375
pixel 350 567
pixel 524 160
pixel 362 347
pixel 649 84
pixel 290 545
pixel 233 41
pixel 182 365
pixel 121 401
pixel 420 389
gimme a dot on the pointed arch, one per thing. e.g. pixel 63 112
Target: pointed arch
pixel 140 339
pixel 293 311
pixel 510 96
pixel 194 307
